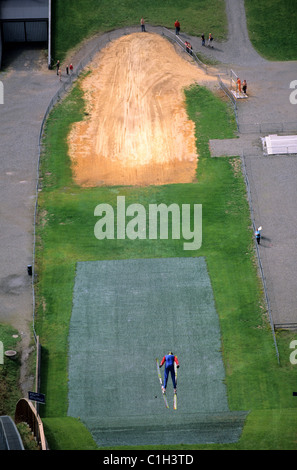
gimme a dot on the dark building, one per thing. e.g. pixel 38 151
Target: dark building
pixel 24 21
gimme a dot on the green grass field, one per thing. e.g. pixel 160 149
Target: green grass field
pixel 272 28
pixel 255 381
pixel 87 17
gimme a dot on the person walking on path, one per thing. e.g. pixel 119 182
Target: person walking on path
pixel 169 360
pixel 210 40
pixel 203 39
pixel 258 235
pixel 142 25
pixel 177 27
pixel 58 66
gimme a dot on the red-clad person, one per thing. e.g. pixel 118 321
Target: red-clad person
pixel 177 27
pixel 169 360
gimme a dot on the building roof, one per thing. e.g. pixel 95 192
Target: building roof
pixel 24 9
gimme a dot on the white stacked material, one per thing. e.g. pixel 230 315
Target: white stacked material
pixel 279 144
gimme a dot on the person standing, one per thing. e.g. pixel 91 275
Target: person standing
pixel 58 66
pixel 244 86
pixel 189 48
pixel 238 85
pixel 71 68
pixel 210 40
pixel 142 25
pixel 258 235
pixel 177 27
pixel 169 360
pixel 203 39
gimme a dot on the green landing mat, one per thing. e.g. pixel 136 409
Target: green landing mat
pixel 127 313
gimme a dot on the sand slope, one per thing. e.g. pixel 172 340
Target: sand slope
pixel 137 131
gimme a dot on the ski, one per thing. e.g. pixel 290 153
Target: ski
pixel 175 401
pixel 175 395
pixel 161 383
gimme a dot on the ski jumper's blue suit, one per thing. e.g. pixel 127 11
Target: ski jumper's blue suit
pixel 169 361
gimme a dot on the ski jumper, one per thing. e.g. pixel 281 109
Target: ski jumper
pixel 169 361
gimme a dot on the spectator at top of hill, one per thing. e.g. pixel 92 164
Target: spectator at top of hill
pixel 177 27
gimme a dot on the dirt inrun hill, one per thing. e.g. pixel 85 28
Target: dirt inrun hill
pixel 136 130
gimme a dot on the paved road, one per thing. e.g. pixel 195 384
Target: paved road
pixel 28 88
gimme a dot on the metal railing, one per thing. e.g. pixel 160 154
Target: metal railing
pixel 181 43
pixel 258 256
